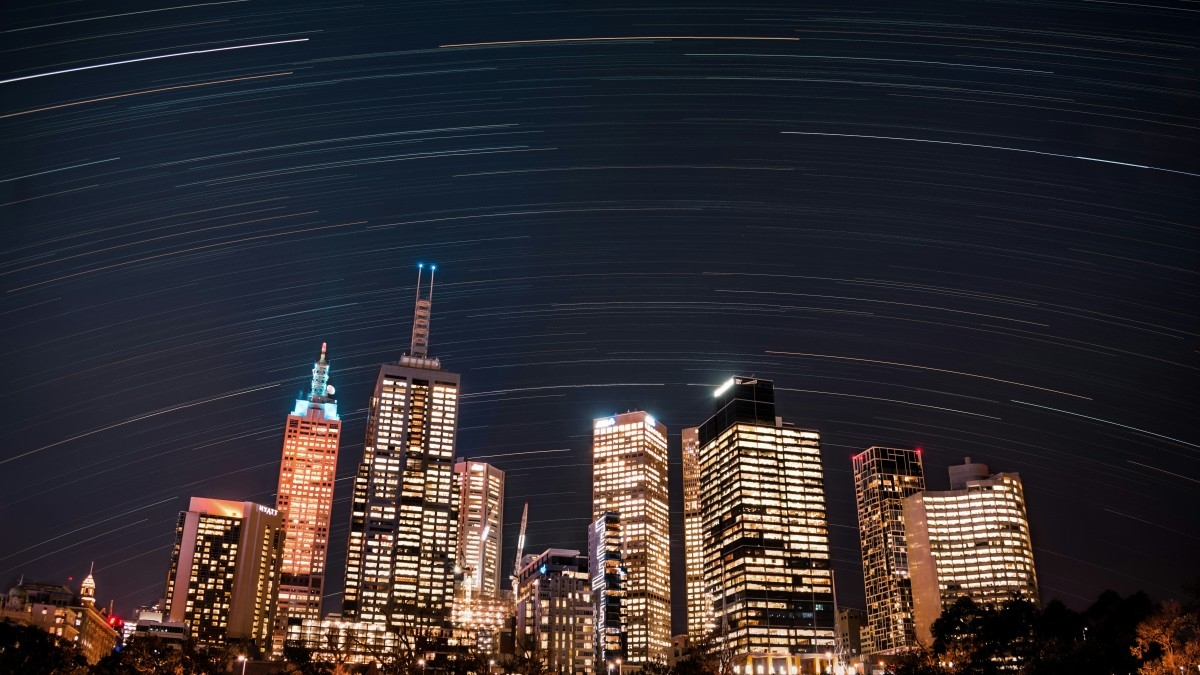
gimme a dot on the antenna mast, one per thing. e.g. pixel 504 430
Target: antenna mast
pixel 420 331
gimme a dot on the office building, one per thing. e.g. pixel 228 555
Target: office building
pixel 608 590
pixel 554 610
pixel 304 499
pixel 480 525
pixel 401 553
pixel 971 541
pixel 699 603
pixel 883 477
pixel 629 469
pixel 766 547
pixel 224 572
pixel 851 623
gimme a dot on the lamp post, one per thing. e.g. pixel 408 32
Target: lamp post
pixel 242 658
pixel 620 667
pixel 422 662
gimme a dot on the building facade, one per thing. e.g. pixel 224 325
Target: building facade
pixel 971 541
pixel 304 499
pixel 699 603
pixel 608 590
pixel 629 469
pixel 554 610
pixel 766 533
pixel 224 572
pixel 480 525
pixel 883 477
pixel 401 551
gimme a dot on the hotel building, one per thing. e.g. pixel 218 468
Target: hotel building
pixel 883 477
pixel 225 570
pixel 766 534
pixel 629 468
pixel 971 541
pixel 304 499
pixel 401 553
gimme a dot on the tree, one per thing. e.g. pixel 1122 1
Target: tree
pixel 1168 641
pixel 31 650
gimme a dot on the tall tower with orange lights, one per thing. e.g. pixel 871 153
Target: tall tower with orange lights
pixel 304 500
pixel 403 526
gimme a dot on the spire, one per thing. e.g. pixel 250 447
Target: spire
pixel 420 332
pixel 319 389
pixel 87 590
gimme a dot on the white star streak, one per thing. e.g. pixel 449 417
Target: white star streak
pixel 149 58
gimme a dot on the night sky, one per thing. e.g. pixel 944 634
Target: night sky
pixel 968 227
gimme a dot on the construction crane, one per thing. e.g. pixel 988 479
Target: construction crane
pixel 520 547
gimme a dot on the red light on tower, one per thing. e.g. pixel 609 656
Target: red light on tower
pixel 918 451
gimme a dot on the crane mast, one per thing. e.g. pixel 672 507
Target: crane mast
pixel 520 547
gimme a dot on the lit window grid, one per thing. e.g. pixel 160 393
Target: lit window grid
pixel 758 480
pixel 629 460
pixel 883 477
pixel 401 555
pixel 480 510
pixel 699 609
pixel 979 538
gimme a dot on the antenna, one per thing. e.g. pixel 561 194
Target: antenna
pixel 420 332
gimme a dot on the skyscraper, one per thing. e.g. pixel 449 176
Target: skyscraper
pixel 629 468
pixel 304 500
pixel 699 603
pixel 480 525
pixel 225 570
pixel 608 584
pixel 883 477
pixel 766 550
pixel 971 541
pixel 400 557
pixel 554 610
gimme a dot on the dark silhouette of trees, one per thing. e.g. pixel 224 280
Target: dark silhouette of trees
pixel 28 649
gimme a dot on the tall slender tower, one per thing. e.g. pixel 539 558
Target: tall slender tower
pixel 304 500
pixel 883 477
pixel 629 468
pixel 766 550
pixel 480 525
pixel 699 603
pixel 400 557
pixel 972 541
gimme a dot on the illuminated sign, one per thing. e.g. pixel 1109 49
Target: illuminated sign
pixel 605 422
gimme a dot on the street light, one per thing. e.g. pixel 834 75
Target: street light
pixel 620 667
pixel 420 661
pixel 242 658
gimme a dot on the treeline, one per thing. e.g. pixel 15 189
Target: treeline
pixel 1114 635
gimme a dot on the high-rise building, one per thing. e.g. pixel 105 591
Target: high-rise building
pixel 883 477
pixel 766 550
pixel 225 571
pixel 480 525
pixel 629 469
pixel 699 603
pixel 971 541
pixel 608 590
pixel 304 499
pixel 401 553
pixel 554 610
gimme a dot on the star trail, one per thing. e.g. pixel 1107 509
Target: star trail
pixel 966 227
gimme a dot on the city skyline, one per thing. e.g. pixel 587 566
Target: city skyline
pixel 964 228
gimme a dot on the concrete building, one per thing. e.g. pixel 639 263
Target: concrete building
pixel 58 611
pixel 883 477
pixel 971 541
pixel 554 610
pixel 766 533
pixel 224 572
pixel 480 525
pixel 629 469
pixel 304 499
pixel 851 624
pixel 401 552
